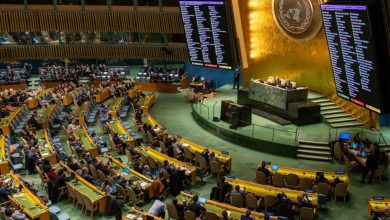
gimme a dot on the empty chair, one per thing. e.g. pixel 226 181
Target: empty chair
pixel 89 206
pixel 152 163
pixel 278 180
pixel 211 216
pixel 133 197
pixel 379 173
pixel 93 171
pixel 172 211
pixel 306 184
pixel 129 156
pixel 306 213
pixel 236 200
pixel 101 175
pixel 121 191
pixel 292 180
pixel 251 201
pixel 340 191
pixel 338 154
pixel 261 178
pixel 189 215
pixel 215 168
pixel 269 202
pixel 71 193
pixel 79 199
pixel 189 156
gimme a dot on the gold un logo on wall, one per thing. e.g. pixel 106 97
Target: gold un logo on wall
pixel 298 19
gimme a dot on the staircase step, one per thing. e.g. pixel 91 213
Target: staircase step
pixel 330 107
pixel 314 157
pixel 333 111
pixel 313 152
pixel 333 116
pixel 340 120
pixel 314 147
pixel 346 124
pixel 320 100
pixel 324 104
pixel 318 143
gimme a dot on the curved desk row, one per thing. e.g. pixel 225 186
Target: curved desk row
pixel 223 157
pixel 103 95
pixel 266 190
pixel 4 165
pixel 7 122
pixel 217 208
pixel 45 147
pixel 88 144
pixel 128 173
pixel 84 187
pixel 116 127
pixel 115 106
pixel 159 157
pixel 377 205
pixel 303 173
pixel 28 202
pixel 34 102
pixel 69 98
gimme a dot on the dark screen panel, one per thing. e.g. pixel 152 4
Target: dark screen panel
pixel 352 52
pixel 209 34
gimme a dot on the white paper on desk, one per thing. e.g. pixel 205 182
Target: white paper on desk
pixel 185 145
pixel 45 154
pixel 228 212
pixel 19 195
pixel 144 184
pixel 131 216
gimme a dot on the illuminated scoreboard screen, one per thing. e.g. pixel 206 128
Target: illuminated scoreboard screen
pixel 209 33
pixel 351 48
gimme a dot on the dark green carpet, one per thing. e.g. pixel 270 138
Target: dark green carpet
pixel 172 111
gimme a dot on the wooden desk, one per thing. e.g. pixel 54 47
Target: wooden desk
pixel 135 214
pixel 89 146
pixel 377 206
pixel 46 116
pixel 265 190
pixel 6 122
pixel 118 167
pixel 147 102
pixel 356 154
pixel 82 110
pixel 158 87
pixel 132 93
pixel 4 166
pixel 116 127
pixel 28 202
pixel 45 147
pixel 68 99
pixel 190 170
pixel 103 95
pixel 163 133
pixel 224 158
pixel 217 208
pixel 84 187
pixel 33 103
pixel 310 174
pixel 114 106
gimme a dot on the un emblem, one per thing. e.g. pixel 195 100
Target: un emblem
pixel 298 19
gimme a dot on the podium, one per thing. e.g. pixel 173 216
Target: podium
pixel 235 114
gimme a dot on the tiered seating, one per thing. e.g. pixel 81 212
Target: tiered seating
pixel 128 173
pixel 39 98
pixel 54 111
pixel 119 107
pixel 87 112
pixel 13 154
pixel 124 131
pixel 154 158
pixel 151 74
pixel 28 202
pixel 72 96
pixel 4 166
pixel 15 121
pixel 103 95
pixel 84 194
pixel 88 144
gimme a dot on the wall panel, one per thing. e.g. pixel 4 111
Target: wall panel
pixel 12 52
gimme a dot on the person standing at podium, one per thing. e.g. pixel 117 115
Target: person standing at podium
pixel 236 79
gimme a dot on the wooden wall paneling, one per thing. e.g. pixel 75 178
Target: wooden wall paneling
pixel 3 26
